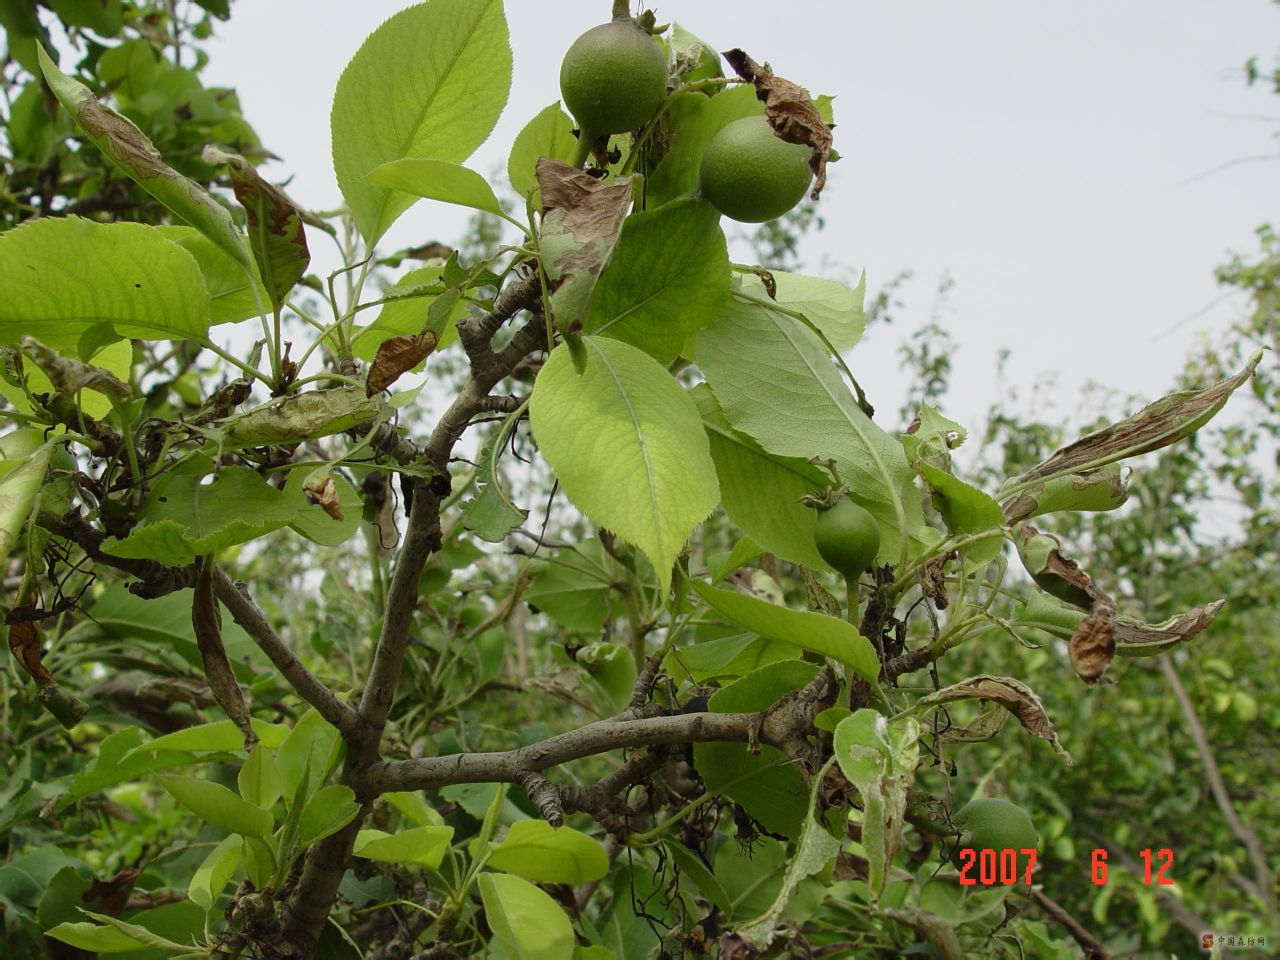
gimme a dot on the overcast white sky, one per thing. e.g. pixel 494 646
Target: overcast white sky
pixel 1054 157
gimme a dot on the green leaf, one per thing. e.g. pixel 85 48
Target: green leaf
pixel 694 120
pixel 879 757
pixel 230 289
pixel 128 148
pixel 733 656
pixel 816 632
pixel 211 877
pixel 572 587
pixel 765 784
pixel 95 938
pixel 491 514
pixel 965 509
pixel 549 134
pixel 668 277
pixel 308 751
pixel 430 82
pixel 776 383
pixel 526 923
pixel 692 869
pixel 222 736
pixel 65 275
pixel 259 780
pixel 19 485
pixel 761 492
pixel 415 809
pixel 217 805
pixel 627 445
pixel 103 17
pixel 192 518
pixel 61 899
pixel 537 851
pixel 437 180
pixel 327 812
pixel 423 846
pixel 835 309
pixel 410 310
pixel 276 235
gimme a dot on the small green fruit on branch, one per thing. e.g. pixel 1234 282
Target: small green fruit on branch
pixel 789 111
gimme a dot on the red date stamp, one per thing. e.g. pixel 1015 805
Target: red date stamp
pixel 990 867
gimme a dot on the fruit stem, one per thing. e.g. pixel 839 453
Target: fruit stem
pixel 851 598
pixel 586 140
pixel 622 9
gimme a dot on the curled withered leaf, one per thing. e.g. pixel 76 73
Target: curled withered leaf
pixel 206 620
pixel 1102 489
pixel 69 376
pixel 1012 694
pixel 790 112
pixel 396 356
pixel 983 727
pixel 1093 645
pixel 1157 425
pixel 323 492
pixel 24 644
pixel 592 208
pixel 1137 639
pixel 1056 573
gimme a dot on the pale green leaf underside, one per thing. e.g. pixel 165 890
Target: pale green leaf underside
pixel 777 384
pixel 526 922
pixel 437 180
pixel 62 276
pixel 535 850
pixel 627 444
pixel 429 82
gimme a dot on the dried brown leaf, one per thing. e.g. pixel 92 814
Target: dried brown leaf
pixel 323 492
pixel 983 727
pixel 396 356
pixel 24 644
pixel 206 620
pixel 1157 425
pixel 790 112
pixel 1093 645
pixel 1012 694
pixel 1137 639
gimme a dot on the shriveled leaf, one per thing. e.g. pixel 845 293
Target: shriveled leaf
pixel 983 727
pixel 1014 695
pixel 581 217
pixel 1041 554
pixel 128 148
pixel 549 134
pixel 419 302
pixel 327 508
pixel 276 235
pixel 627 445
pixel 1168 420
pixel 1136 639
pixel 396 356
pixel 121 278
pixel 790 112
pixel 537 851
pixel 1101 489
pixel 816 848
pixel 323 492
pixel 879 757
pixel 206 623
pixel 437 180
pixel 300 417
pixel 1092 646
pixel 668 277
pixel 816 632
pixel 429 82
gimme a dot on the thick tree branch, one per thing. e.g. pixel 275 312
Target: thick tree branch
pixel 781 726
pixel 306 684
